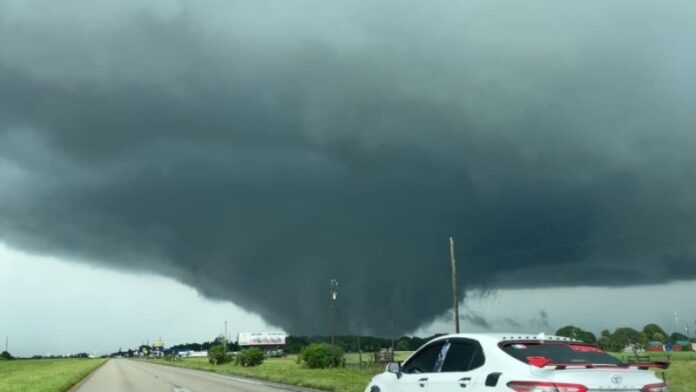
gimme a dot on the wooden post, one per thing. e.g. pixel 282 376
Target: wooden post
pixel 359 350
pixel 455 297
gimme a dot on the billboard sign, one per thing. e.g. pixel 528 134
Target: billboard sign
pixel 261 338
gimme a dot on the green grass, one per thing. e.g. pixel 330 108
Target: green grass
pixel 352 378
pixel 44 375
pixel 681 376
pixel 288 371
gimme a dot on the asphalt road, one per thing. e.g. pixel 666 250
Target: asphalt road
pixel 123 375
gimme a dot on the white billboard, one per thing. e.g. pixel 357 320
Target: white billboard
pixel 261 338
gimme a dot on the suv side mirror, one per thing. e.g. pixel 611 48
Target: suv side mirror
pixel 394 367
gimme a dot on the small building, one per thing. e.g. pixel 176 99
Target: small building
pixel 656 346
pixel 193 354
pixel 683 345
pixel 633 348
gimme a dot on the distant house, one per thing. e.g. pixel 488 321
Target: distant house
pixel 656 346
pixel 683 345
pixel 193 354
pixel 634 348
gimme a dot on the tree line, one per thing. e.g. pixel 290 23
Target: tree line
pixel 623 337
pixel 614 341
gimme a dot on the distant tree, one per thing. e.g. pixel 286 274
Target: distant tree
pixel 217 355
pixel 6 356
pixel 676 336
pixel 295 344
pixel 574 332
pixel 145 349
pixel 649 333
pixel 658 336
pixel 604 338
pixel 403 345
pixel 622 337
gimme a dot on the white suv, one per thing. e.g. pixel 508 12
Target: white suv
pixel 514 362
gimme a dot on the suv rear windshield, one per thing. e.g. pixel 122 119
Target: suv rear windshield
pixel 560 352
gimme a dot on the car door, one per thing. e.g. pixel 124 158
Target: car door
pixel 416 371
pixel 460 369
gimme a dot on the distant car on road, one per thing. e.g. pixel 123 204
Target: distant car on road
pixel 514 363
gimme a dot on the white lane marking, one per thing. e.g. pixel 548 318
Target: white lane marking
pixel 176 388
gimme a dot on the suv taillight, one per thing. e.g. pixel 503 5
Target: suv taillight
pixel 655 388
pixel 539 386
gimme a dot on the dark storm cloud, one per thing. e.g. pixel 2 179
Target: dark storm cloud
pixel 476 319
pixel 511 322
pixel 542 321
pixel 256 151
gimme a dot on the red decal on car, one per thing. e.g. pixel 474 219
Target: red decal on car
pixel 585 348
pixel 538 361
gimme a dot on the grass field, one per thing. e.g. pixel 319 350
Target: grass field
pixel 681 376
pixel 44 375
pixel 287 371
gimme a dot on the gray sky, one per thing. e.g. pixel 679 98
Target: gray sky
pixel 256 150
pixel 61 307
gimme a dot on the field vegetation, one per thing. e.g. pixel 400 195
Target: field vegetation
pixel 681 376
pixel 292 371
pixel 44 375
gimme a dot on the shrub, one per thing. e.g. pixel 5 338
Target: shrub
pixel 322 355
pixel 6 356
pixel 217 355
pixel 250 357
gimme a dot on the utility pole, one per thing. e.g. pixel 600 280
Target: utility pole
pixel 455 297
pixel 359 350
pixel 334 290
pixel 7 344
pixel 225 336
pixel 392 339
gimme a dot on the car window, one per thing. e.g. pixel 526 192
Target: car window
pixel 558 352
pixel 462 357
pixel 424 360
